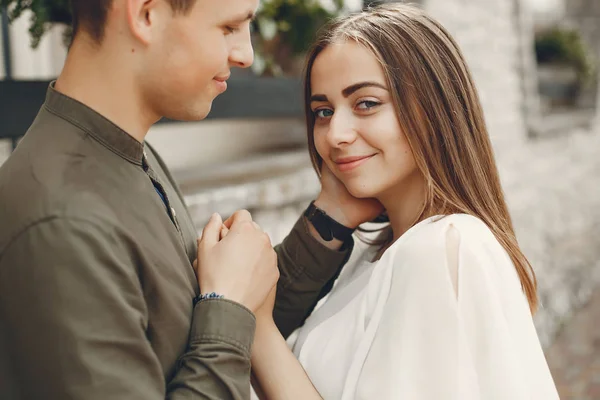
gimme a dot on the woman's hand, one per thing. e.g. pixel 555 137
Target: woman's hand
pixel 340 205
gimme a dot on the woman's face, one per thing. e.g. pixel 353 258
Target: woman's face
pixel 356 131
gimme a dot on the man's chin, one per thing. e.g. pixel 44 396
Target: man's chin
pixel 192 114
pixel 201 114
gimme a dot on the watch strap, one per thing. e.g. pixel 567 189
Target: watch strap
pixel 327 227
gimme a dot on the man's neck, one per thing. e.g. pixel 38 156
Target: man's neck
pixel 104 83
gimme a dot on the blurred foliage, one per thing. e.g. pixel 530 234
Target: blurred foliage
pixel 564 46
pixel 43 12
pixel 284 29
pixel 296 21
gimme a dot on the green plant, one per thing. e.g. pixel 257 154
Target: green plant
pixel 285 29
pixel 563 46
pixel 43 12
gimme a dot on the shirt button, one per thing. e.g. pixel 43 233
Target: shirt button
pixel 173 212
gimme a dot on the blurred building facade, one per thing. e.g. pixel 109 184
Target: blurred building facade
pixel 551 180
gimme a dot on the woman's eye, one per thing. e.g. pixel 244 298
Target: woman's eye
pixel 367 104
pixel 323 113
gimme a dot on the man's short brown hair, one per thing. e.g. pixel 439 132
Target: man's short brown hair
pixel 91 15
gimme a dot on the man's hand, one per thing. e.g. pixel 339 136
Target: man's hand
pixel 340 205
pixel 242 266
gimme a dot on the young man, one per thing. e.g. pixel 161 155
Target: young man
pixel 98 295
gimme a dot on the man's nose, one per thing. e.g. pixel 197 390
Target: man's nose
pixel 242 54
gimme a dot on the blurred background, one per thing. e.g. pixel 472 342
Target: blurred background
pixel 535 63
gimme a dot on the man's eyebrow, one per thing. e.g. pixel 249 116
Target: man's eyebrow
pixel 250 16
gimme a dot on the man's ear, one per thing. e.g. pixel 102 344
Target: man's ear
pixel 143 16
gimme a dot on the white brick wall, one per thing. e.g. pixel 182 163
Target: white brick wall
pixel 486 32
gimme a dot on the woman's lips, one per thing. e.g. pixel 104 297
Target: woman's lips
pixel 346 164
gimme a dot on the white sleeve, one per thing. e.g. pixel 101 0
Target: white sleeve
pixel 434 342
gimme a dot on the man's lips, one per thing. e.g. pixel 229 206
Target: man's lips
pixel 348 163
pixel 221 82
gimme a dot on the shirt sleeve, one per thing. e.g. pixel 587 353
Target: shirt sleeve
pixel 307 269
pixel 474 339
pixel 76 316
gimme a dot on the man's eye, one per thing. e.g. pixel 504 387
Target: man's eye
pixel 231 29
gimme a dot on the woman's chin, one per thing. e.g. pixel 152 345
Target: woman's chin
pixel 361 191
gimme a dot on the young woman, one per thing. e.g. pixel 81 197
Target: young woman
pixel 442 307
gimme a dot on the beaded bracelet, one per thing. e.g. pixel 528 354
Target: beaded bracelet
pixel 207 296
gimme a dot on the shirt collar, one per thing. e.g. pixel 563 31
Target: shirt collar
pixel 97 126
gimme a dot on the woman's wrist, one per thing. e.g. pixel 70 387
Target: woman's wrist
pixel 265 335
pixel 278 372
pixel 333 209
pixel 265 324
pixel 266 328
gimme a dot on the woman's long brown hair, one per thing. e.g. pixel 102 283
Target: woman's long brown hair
pixel 439 110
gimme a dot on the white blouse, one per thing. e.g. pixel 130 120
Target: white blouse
pixel 440 316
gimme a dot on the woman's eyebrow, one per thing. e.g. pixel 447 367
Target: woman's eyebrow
pixel 349 90
pixel 357 86
pixel 318 97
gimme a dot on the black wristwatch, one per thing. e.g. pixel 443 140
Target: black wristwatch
pixel 327 227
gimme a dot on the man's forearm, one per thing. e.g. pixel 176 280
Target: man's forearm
pixel 217 363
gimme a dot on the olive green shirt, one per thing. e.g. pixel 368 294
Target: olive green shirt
pixel 96 277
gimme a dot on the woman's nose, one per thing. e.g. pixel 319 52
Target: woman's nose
pixel 341 131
